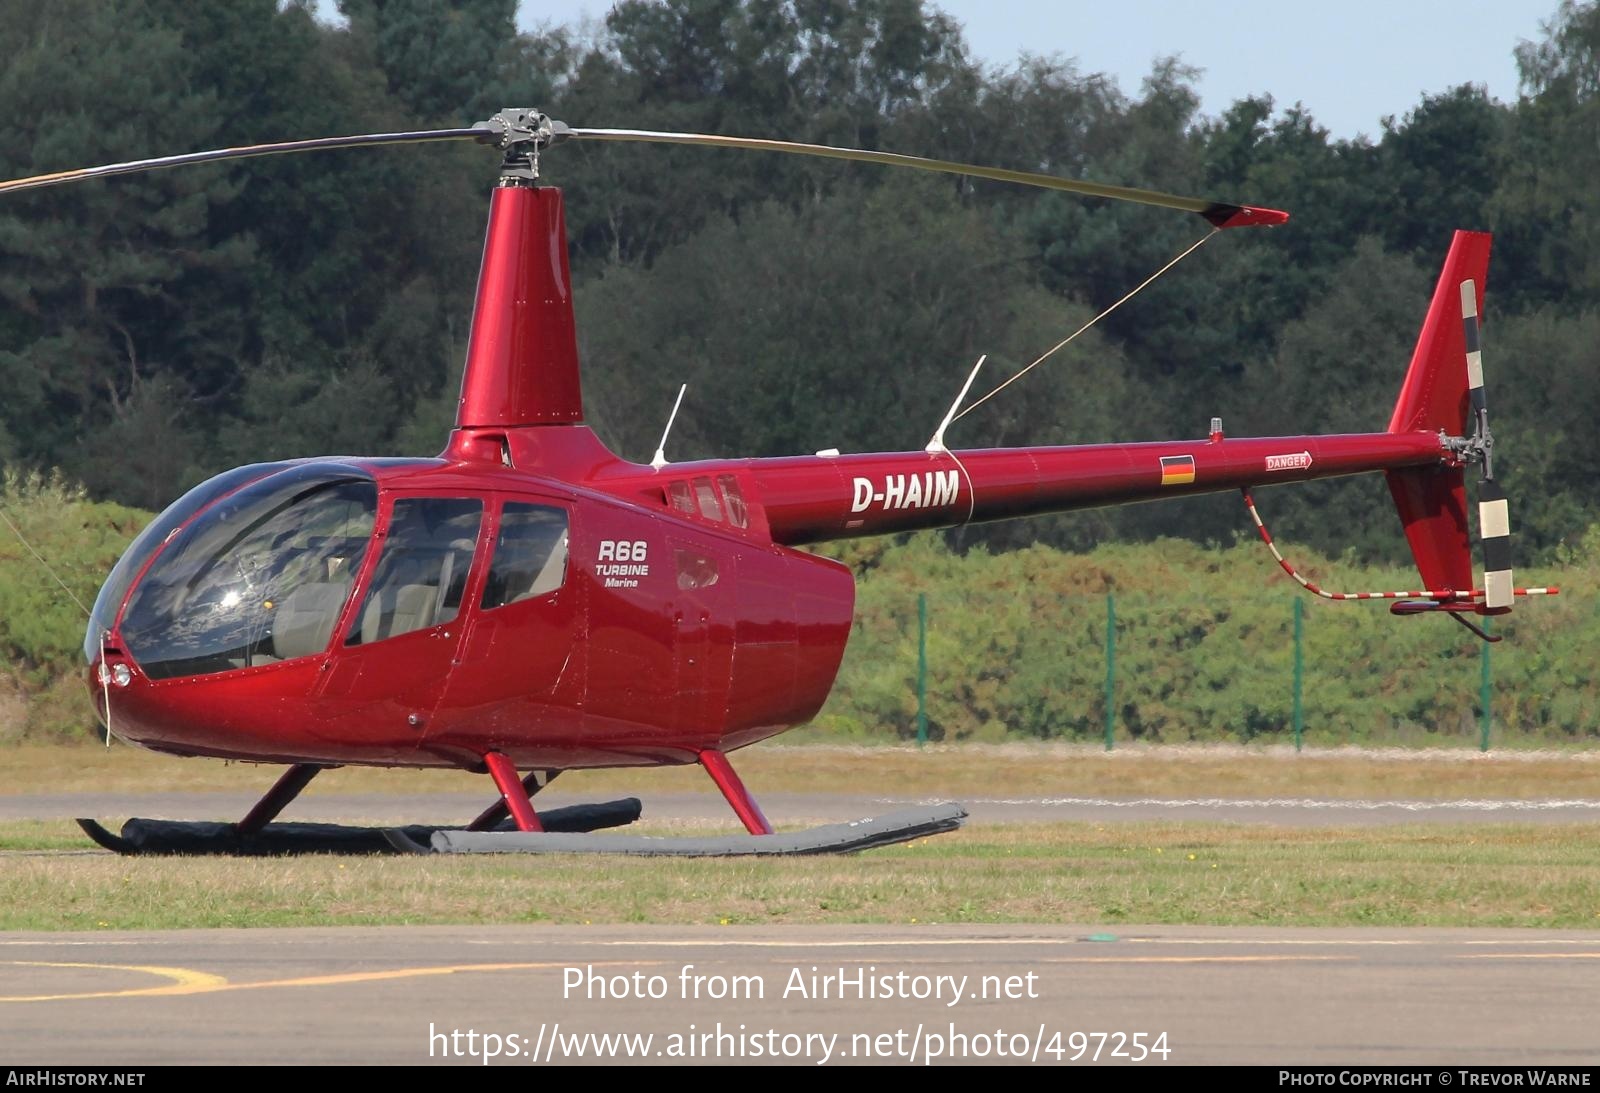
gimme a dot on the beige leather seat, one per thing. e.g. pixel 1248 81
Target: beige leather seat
pixel 550 575
pixel 303 622
pixel 395 611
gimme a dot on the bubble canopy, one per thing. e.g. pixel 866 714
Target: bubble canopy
pixel 259 576
pixel 150 540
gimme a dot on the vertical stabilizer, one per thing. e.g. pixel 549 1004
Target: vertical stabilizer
pixel 1434 395
pixel 1436 398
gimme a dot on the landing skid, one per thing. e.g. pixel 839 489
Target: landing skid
pixel 846 838
pixel 512 826
pixel 566 831
pixel 141 836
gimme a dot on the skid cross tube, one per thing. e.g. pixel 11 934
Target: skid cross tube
pixel 284 790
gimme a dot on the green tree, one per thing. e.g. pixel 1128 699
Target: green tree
pixel 453 61
pixel 823 71
pixel 1543 383
pixel 1438 170
pixel 850 324
pixel 1547 210
pixel 1337 369
pixel 118 291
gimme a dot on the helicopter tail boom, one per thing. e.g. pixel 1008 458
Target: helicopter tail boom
pixel 1438 426
pixel 818 498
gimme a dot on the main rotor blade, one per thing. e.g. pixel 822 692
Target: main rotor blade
pixel 246 152
pixel 1219 213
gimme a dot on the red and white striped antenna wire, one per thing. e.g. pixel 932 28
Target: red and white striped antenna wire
pixel 1439 595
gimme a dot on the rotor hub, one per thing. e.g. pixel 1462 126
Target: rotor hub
pixel 521 134
pixel 1477 448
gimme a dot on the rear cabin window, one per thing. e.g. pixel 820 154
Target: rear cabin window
pixel 530 554
pixel 705 496
pixel 733 497
pixel 422 572
pixel 682 499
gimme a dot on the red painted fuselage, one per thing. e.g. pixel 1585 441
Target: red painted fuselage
pixel 529 593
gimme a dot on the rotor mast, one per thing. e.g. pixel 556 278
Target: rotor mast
pixel 522 354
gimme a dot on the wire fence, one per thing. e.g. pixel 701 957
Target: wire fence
pixel 1001 663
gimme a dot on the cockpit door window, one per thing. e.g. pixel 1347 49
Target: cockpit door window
pixel 421 575
pixel 530 554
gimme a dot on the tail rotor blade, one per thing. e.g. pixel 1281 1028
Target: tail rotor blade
pixel 1494 525
pixel 1469 324
pixel 1494 513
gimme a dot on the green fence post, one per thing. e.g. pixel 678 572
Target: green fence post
pixel 1111 670
pixel 1299 672
pixel 1483 692
pixel 922 668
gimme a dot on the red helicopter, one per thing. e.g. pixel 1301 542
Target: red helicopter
pixel 528 601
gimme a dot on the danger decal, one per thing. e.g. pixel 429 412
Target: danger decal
pixel 1294 461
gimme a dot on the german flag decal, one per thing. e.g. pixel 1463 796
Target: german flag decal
pixel 1177 470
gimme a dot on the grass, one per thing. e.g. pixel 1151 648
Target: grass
pixel 41 835
pixel 1204 873
pixel 1499 875
pixel 954 771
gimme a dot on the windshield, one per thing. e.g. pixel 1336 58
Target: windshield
pixel 259 577
pixel 149 541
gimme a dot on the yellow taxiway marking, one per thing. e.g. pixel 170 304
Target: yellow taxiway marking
pixel 185 981
pixel 182 981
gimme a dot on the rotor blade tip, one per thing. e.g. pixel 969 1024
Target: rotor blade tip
pixel 1244 216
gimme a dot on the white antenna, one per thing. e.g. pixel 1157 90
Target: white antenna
pixel 936 442
pixel 659 460
pixel 105 684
